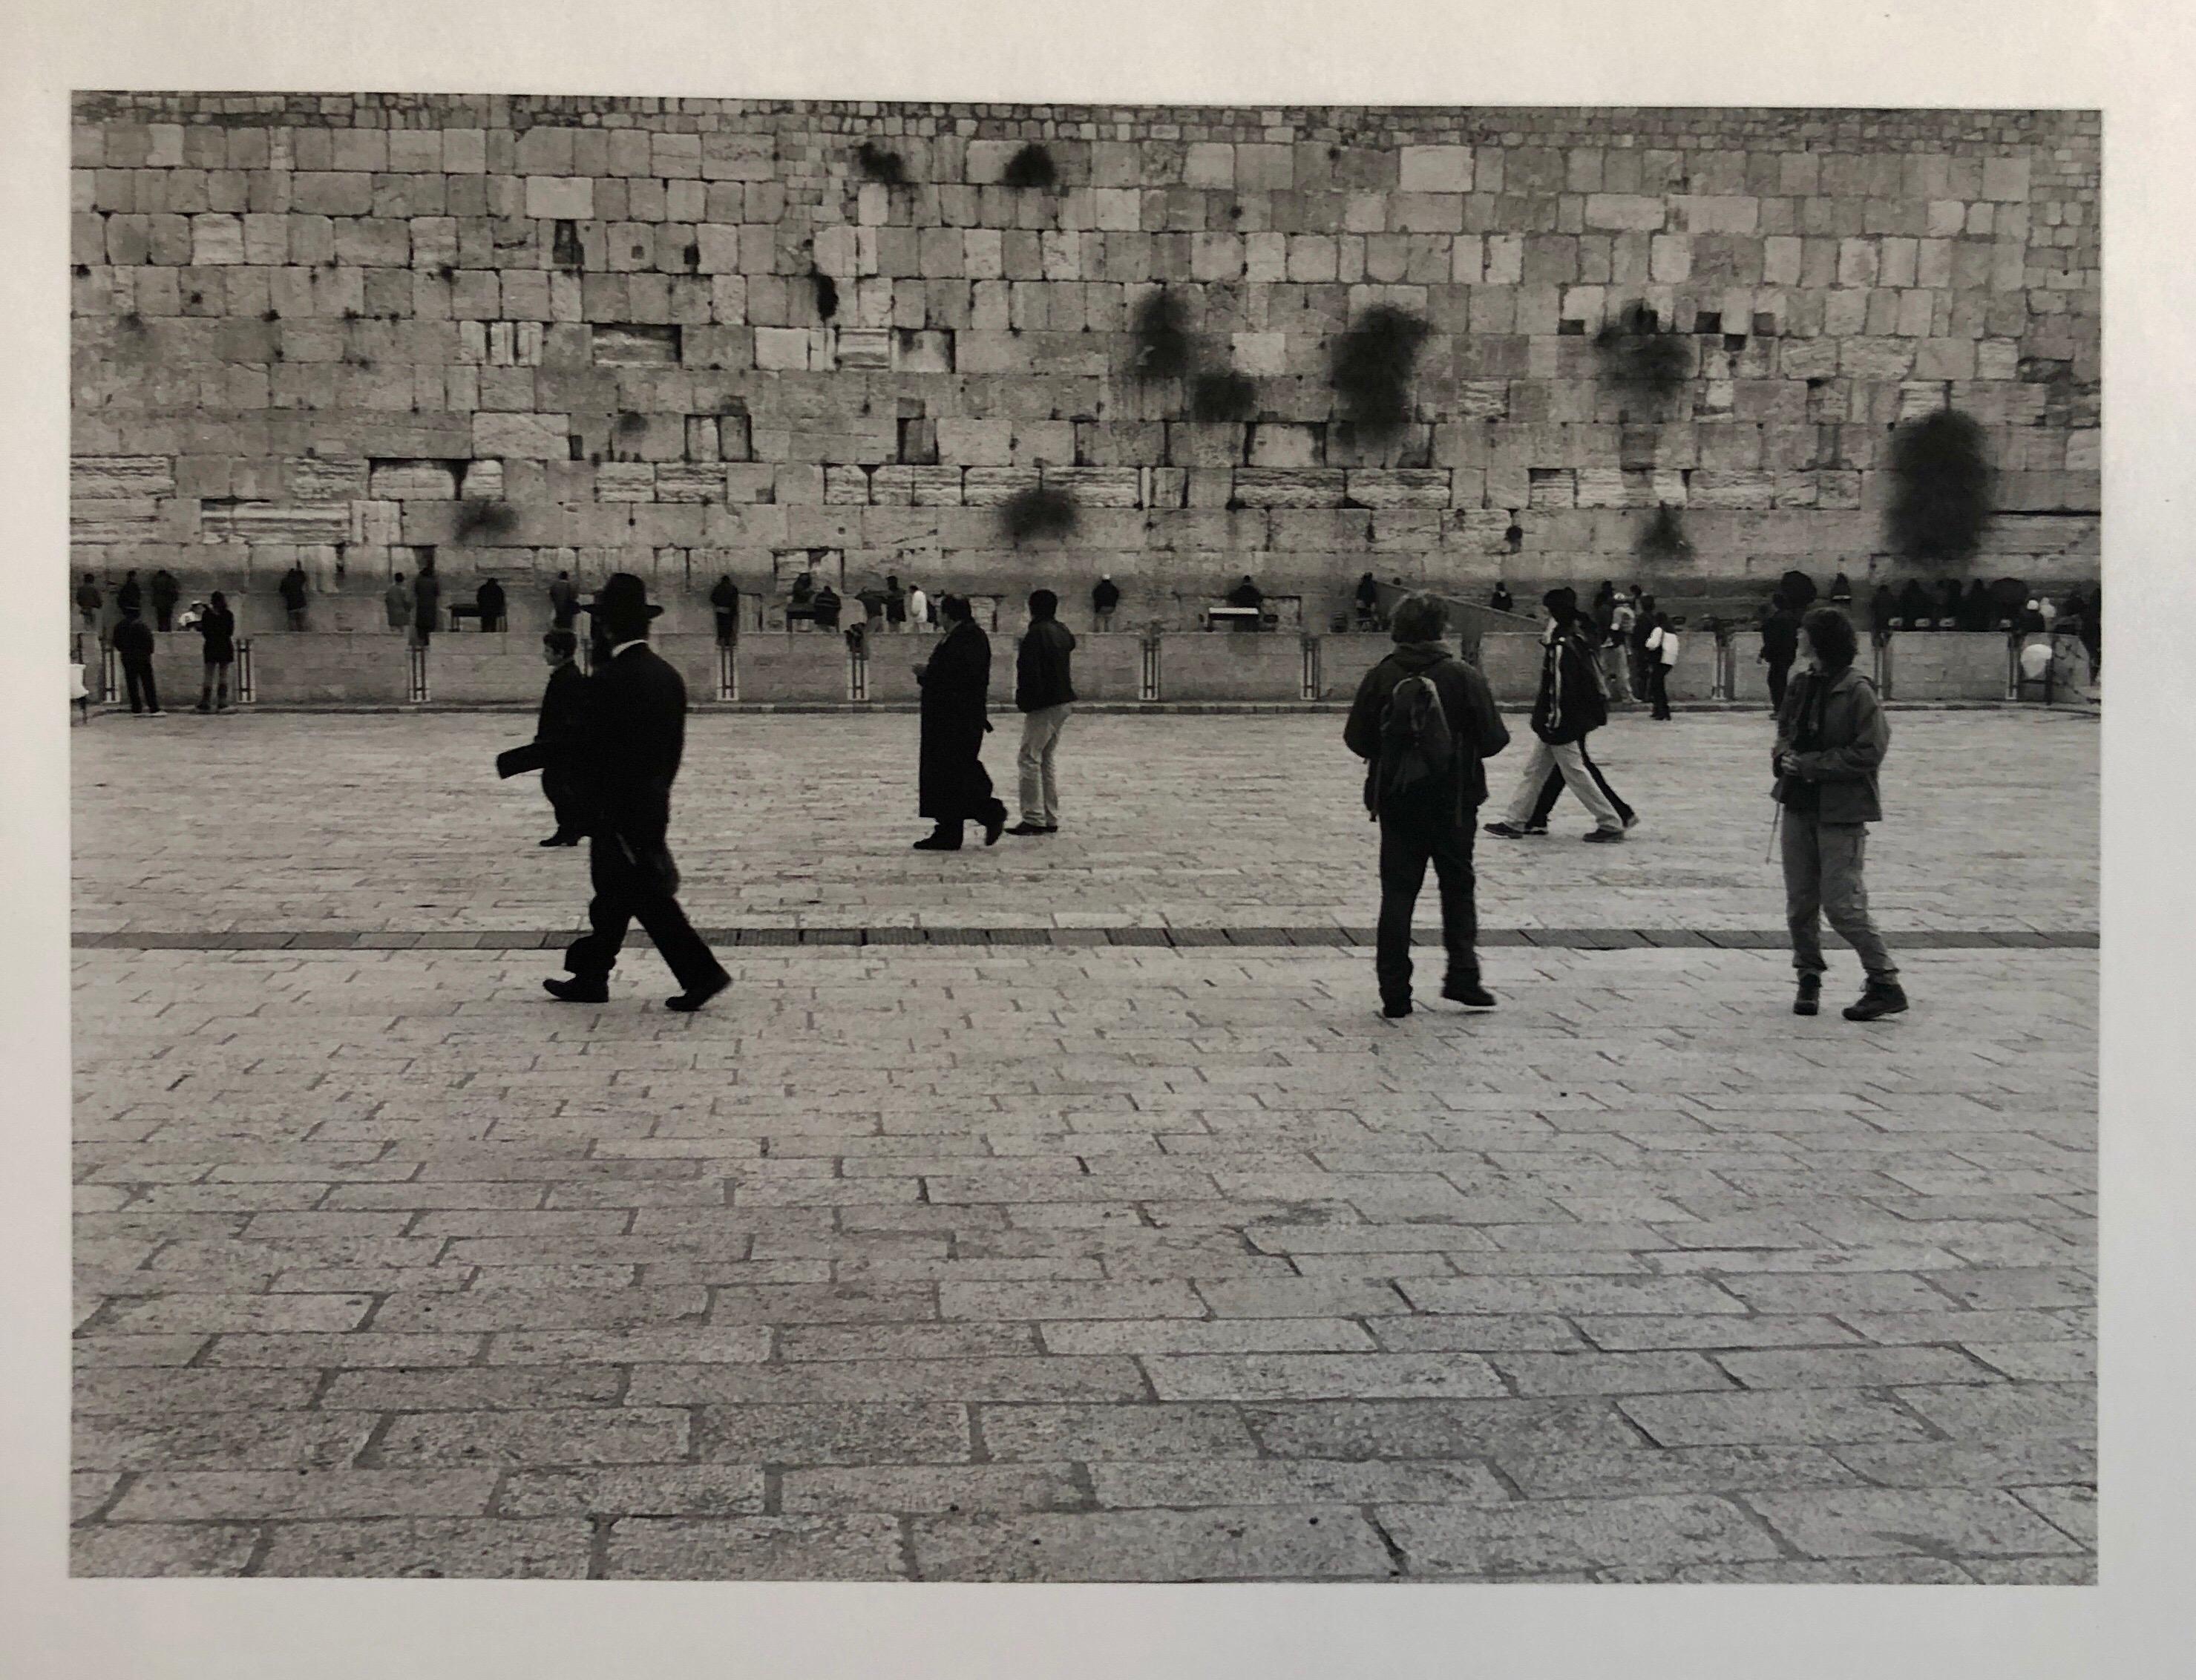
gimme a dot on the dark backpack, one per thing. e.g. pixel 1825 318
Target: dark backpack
pixel 1417 763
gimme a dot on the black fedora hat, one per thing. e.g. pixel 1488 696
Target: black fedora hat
pixel 624 597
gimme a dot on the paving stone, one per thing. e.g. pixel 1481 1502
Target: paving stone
pixel 502 1549
pixel 902 1434
pixel 1621 1333
pixel 1852 1367
pixel 2003 1411
pixel 1936 1521
pixel 974 1487
pixel 858 1548
pixel 2022 1462
pixel 1195 1377
pixel 244 1441
pixel 1218 1336
pixel 663 1490
pixel 1061 1378
pixel 1441 1542
pixel 1829 1415
pixel 1086 1433
pixel 1444 1428
pixel 1333 1543
pixel 277 1496
pixel 144 1549
pixel 601 1436
pixel 1609 1373
pixel 1295 1482
pixel 1600 1474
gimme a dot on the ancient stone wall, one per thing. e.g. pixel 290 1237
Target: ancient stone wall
pixel 682 337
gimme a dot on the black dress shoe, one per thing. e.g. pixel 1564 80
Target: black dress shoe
pixel 1395 1008
pixel 994 826
pixel 688 1001
pixel 561 839
pixel 577 989
pixel 942 840
pixel 1468 993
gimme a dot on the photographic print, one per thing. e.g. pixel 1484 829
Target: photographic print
pixel 993 842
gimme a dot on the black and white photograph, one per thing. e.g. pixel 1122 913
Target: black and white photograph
pixel 824 838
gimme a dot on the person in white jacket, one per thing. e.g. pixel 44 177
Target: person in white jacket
pixel 1662 645
pixel 918 609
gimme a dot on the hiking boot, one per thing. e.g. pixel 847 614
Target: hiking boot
pixel 1603 837
pixel 1514 831
pixel 1468 993
pixel 1810 997
pixel 1878 999
pixel 578 989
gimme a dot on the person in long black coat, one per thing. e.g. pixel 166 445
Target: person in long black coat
pixel 560 734
pixel 635 731
pixel 952 786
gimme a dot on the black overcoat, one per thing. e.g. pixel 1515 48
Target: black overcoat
pixel 562 734
pixel 953 786
pixel 635 731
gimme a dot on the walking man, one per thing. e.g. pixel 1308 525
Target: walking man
pixel 1105 602
pixel 1780 646
pixel 1569 707
pixel 1831 737
pixel 1045 696
pixel 953 788
pixel 634 731
pixel 133 644
pixel 1423 721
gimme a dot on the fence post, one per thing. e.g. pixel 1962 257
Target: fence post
pixel 245 692
pixel 110 673
pixel 2012 665
pixel 1883 664
pixel 1149 689
pixel 416 664
pixel 728 671
pixel 858 671
pixel 1313 677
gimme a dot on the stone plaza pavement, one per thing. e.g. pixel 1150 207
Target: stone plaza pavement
pixel 1107 1234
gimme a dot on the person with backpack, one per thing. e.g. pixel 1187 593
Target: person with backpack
pixel 1662 644
pixel 1831 739
pixel 1569 705
pixel 1424 721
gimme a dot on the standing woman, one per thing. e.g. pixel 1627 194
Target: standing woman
pixel 953 786
pixel 1661 654
pixel 1831 737
pixel 218 628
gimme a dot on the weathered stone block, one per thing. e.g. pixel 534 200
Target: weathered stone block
pixel 524 436
pixel 1274 487
pixel 1435 169
pixel 272 522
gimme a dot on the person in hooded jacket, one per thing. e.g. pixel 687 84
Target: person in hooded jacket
pixel 952 786
pixel 216 628
pixel 1569 707
pixel 1831 738
pixel 1433 822
pixel 1044 693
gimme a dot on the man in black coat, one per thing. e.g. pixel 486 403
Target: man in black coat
pixel 133 645
pixel 293 591
pixel 1780 646
pixel 1432 820
pixel 953 787
pixel 635 732
pixel 165 593
pixel 559 735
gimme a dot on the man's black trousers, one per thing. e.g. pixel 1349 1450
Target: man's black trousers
pixel 636 882
pixel 1779 672
pixel 1408 842
pixel 137 672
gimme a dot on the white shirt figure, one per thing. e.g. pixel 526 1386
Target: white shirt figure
pixel 1663 644
pixel 918 608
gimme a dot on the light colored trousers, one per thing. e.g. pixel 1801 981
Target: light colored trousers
pixel 1823 878
pixel 1040 742
pixel 1577 777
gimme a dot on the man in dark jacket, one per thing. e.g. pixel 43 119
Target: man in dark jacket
pixel 724 602
pixel 130 598
pixel 561 734
pixel 88 601
pixel 563 602
pixel 427 604
pixel 1105 602
pixel 635 731
pixel 488 601
pixel 953 787
pixel 293 591
pixel 1431 820
pixel 1569 707
pixel 166 592
pixel 1831 737
pixel 1044 695
pixel 133 645
pixel 1247 594
pixel 1780 646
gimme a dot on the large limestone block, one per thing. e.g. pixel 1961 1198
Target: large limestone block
pixel 542 437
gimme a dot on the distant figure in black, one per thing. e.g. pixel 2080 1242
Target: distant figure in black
pixel 166 592
pixel 1105 602
pixel 1841 594
pixel 560 733
pixel 128 598
pixel 724 602
pixel 427 604
pixel 133 645
pixel 634 731
pixel 953 787
pixel 1501 600
pixel 293 591
pixel 1369 603
pixel 826 607
pixel 563 602
pixel 1780 646
pixel 1246 594
pixel 488 601
pixel 88 602
pixel 217 627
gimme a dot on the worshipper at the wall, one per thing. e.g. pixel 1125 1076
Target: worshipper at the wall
pixel 1368 602
pixel 166 592
pixel 1831 738
pixel 489 604
pixel 426 604
pixel 88 602
pixel 634 734
pixel 1246 594
pixel 1882 612
pixel 1105 602
pixel 725 602
pixel 1914 612
pixel 1501 600
pixel 396 603
pixel 952 787
pixel 293 591
pixel 563 602
pixel 133 646
pixel 1424 722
